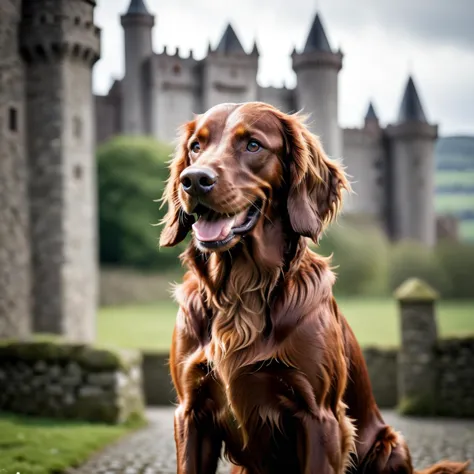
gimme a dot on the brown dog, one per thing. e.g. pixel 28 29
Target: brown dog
pixel 262 359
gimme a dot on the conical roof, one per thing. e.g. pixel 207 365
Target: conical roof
pixel 371 114
pixel 317 39
pixel 137 7
pixel 411 108
pixel 229 42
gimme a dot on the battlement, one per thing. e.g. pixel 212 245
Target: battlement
pixel 412 129
pixel 239 60
pixel 318 59
pixel 165 55
pixel 51 35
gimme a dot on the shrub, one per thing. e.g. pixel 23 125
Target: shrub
pixel 413 260
pixel 457 261
pixel 131 176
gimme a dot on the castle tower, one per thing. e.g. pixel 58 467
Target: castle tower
pixel 412 141
pixel 60 44
pixel 14 223
pixel 138 25
pixel 230 74
pixel 317 69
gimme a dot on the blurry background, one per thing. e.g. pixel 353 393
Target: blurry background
pixel 385 84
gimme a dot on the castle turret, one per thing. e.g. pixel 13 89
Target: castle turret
pixel 60 45
pixel 371 120
pixel 412 141
pixel 14 223
pixel 138 25
pixel 229 74
pixel 317 69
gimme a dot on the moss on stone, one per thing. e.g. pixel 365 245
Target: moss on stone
pixel 415 290
pixel 90 357
pixel 420 405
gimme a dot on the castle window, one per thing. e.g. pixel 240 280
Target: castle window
pixel 77 20
pixel 77 172
pixel 176 69
pixel 77 127
pixel 13 119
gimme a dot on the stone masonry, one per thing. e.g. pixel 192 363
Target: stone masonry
pixel 417 357
pixel 455 381
pixel 47 168
pixel 14 223
pixel 71 381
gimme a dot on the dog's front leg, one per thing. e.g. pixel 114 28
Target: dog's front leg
pixel 198 442
pixel 198 435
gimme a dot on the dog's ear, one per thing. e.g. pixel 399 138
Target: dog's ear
pixel 317 183
pixel 177 223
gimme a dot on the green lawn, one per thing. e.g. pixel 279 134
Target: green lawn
pixel 37 446
pixel 374 322
pixel 443 178
pixel 454 202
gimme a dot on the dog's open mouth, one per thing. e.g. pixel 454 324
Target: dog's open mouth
pixel 214 230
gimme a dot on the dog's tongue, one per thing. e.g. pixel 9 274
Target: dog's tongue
pixel 210 228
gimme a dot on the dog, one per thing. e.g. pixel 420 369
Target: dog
pixel 263 362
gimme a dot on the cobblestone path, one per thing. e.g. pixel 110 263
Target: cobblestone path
pixel 151 450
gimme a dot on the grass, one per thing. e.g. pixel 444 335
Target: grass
pixel 374 321
pixel 454 202
pixel 41 446
pixel 467 230
pixel 444 178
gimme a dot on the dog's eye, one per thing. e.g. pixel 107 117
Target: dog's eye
pixel 195 147
pixel 253 146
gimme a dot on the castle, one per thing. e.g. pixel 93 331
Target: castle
pixel 392 168
pixel 50 124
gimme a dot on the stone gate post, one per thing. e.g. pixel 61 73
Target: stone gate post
pixel 416 359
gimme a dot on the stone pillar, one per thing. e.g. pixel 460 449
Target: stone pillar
pixel 416 360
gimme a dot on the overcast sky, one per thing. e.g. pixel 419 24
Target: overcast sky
pixel 382 41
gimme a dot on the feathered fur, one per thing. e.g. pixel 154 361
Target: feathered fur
pixel 262 359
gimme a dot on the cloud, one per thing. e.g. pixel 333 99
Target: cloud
pixel 382 43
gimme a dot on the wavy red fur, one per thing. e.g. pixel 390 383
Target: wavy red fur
pixel 263 361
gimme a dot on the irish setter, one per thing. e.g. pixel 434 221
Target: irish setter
pixel 264 363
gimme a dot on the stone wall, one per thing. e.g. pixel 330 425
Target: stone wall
pixel 157 386
pixel 15 268
pixel 71 381
pixel 455 380
pixel 382 367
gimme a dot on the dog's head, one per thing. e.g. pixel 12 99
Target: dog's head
pixel 239 167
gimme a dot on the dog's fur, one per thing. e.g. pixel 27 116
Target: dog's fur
pixel 262 359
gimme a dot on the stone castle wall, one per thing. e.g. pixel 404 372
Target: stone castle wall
pixel 15 302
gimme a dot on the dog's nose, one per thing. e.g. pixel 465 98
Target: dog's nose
pixel 197 181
